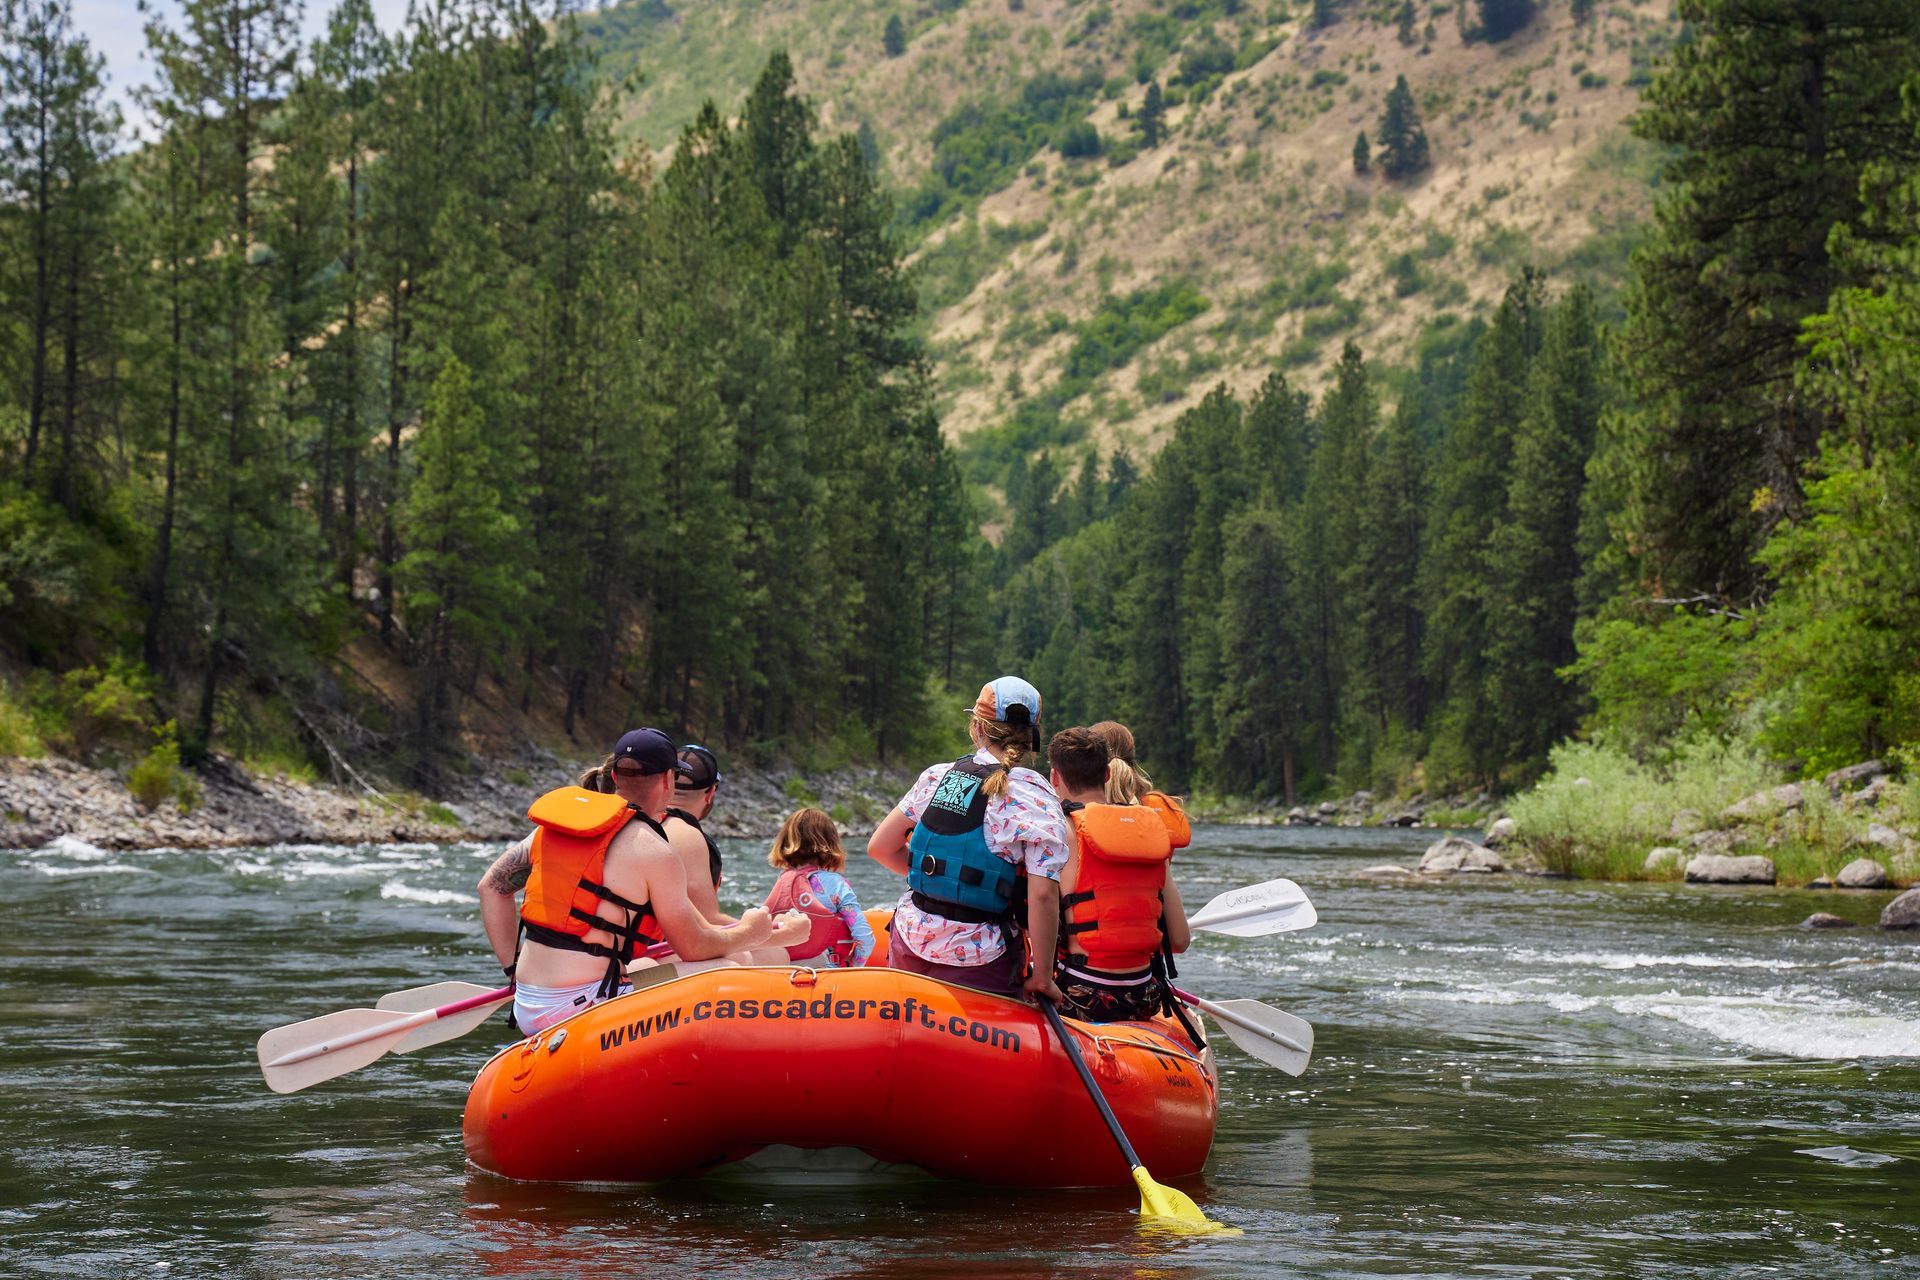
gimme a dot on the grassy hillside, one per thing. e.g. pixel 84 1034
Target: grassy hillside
pixel 1093 297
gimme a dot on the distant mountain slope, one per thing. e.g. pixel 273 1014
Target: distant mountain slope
pixel 1095 296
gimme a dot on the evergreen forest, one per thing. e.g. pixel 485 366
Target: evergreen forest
pixel 390 343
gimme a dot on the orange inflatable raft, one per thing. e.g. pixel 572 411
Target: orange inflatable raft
pixel 724 1065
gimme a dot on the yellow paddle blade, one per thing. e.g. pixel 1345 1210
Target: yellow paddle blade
pixel 1165 1209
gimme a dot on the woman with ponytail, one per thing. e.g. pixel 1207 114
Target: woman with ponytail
pixel 965 837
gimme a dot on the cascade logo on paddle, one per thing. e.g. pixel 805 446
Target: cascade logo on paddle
pixel 794 1009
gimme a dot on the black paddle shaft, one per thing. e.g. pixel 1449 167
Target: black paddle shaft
pixel 1086 1078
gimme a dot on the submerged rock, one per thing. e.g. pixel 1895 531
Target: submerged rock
pixel 1766 804
pixel 1500 833
pixel 1862 873
pixel 1661 860
pixel 1409 819
pixel 1903 912
pixel 1717 868
pixel 1819 882
pixel 1825 920
pixel 1455 854
pixel 1383 871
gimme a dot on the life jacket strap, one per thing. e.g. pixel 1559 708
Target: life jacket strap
pixel 954 911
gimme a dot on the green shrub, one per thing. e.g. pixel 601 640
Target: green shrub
pixel 19 734
pixel 440 815
pixel 800 791
pixel 1599 810
pixel 158 776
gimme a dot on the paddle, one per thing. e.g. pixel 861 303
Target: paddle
pixel 1272 1035
pixel 1277 906
pixel 305 1053
pixel 1160 1206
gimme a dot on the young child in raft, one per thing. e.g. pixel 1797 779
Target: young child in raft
pixel 809 856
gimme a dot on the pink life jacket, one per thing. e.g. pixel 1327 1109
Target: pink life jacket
pixel 793 891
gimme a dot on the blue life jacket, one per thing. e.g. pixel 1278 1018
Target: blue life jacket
pixel 950 869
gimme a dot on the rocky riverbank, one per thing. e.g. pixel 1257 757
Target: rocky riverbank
pixel 44 799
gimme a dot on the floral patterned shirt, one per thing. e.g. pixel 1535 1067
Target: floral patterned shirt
pixel 1024 825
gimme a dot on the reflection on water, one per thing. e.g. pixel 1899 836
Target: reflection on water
pixel 1513 1077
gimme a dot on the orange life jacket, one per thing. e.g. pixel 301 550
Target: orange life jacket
pixel 1114 910
pixel 794 892
pixel 565 893
pixel 1179 830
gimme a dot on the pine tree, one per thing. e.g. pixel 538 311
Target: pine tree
pixel 460 578
pixel 1324 13
pixel 1583 11
pixel 1533 552
pixel 1152 120
pixel 1469 489
pixel 1403 142
pixel 1404 21
pixel 1774 108
pixel 1261 704
pixel 1362 155
pixel 1389 620
pixel 1122 476
pixel 894 39
pixel 1500 19
pixel 59 133
pixel 1087 501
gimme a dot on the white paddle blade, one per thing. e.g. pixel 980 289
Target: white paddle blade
pixel 329 1046
pixel 432 996
pixel 1261 1031
pixel 1277 906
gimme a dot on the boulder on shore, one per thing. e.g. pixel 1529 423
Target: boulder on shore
pixel 1383 871
pixel 1819 882
pixel 1662 860
pixel 1685 823
pixel 1766 804
pixel 1879 835
pixel 1455 854
pixel 1408 819
pixel 1903 912
pixel 1825 920
pixel 1862 873
pixel 1500 833
pixel 1869 795
pixel 1854 776
pixel 1719 868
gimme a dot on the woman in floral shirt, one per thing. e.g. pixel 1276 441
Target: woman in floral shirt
pixel 1022 825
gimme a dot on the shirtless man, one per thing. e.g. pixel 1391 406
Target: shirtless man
pixel 647 888
pixel 693 790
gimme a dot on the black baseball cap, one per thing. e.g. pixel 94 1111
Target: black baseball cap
pixel 651 749
pixel 698 768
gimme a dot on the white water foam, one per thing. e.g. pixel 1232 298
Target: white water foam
pixel 431 897
pixel 1617 960
pixel 73 847
pixel 93 869
pixel 1826 1031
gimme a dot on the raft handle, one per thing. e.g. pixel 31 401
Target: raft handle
pixel 559 1038
pixel 803 977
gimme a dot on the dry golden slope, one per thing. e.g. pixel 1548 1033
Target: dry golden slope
pixel 1253 189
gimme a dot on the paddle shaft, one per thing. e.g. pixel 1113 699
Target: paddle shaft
pixel 1093 1088
pixel 1245 1024
pixel 406 1023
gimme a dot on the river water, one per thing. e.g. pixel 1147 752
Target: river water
pixel 1514 1077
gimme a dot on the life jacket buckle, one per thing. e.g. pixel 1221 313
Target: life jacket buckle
pixel 805 976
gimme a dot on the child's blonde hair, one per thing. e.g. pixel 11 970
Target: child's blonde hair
pixel 1126 781
pixel 807 838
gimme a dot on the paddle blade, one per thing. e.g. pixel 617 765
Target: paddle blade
pixel 1261 1031
pixel 329 1046
pixel 1165 1209
pixel 1277 906
pixel 435 996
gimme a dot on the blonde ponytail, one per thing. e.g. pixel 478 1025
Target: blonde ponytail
pixel 1125 784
